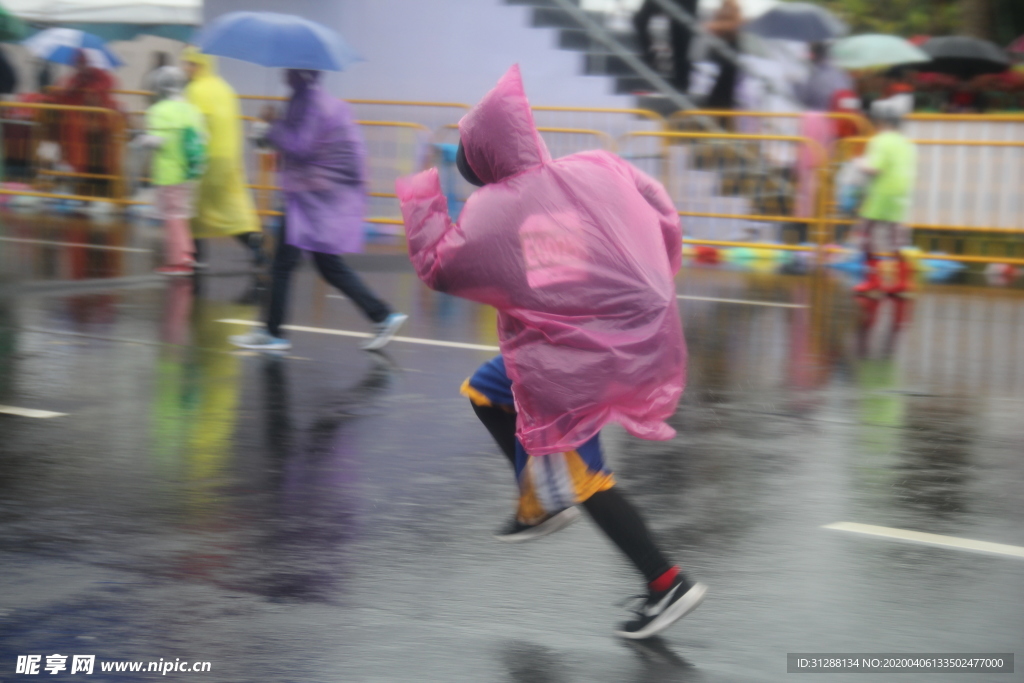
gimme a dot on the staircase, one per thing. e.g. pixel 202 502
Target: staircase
pixel 598 60
pixel 703 176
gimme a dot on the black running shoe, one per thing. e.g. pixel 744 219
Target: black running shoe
pixel 661 610
pixel 517 532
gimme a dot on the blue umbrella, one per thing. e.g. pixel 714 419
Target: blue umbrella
pixel 61 45
pixel 276 40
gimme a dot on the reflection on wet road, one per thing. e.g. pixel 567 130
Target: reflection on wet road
pixel 326 515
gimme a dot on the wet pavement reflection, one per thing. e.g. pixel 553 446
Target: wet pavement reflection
pixel 325 515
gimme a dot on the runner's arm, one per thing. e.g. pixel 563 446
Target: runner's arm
pixel 668 216
pixel 429 231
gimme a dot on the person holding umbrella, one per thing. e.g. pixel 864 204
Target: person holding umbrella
pixel 824 80
pixel 322 162
pixel 322 171
pixel 224 206
pixel 85 137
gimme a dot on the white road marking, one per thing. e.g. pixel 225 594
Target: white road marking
pixel 928 539
pixel 29 412
pixel 23 240
pixel 367 335
pixel 777 304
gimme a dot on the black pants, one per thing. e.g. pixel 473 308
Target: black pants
pixel 680 34
pixel 334 270
pixel 723 94
pixel 252 241
pixel 609 509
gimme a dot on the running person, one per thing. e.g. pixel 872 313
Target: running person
pixel 323 174
pixel 578 255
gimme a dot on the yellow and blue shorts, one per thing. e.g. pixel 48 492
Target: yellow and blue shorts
pixel 547 483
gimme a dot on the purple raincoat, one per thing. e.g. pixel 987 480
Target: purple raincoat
pixel 578 255
pixel 322 162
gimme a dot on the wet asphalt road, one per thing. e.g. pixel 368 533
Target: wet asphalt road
pixel 326 516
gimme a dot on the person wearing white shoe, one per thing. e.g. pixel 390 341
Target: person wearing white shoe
pixel 322 161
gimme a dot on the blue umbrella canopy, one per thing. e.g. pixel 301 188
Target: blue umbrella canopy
pixel 800 21
pixel 61 45
pixel 276 40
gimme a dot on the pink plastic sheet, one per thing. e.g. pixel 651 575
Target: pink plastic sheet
pixel 579 256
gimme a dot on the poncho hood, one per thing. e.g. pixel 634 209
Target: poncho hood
pixel 498 134
pixel 578 256
pixel 207 63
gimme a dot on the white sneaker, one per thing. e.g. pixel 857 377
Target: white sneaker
pixel 260 340
pixel 386 331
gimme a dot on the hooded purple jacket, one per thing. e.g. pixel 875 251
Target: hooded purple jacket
pixel 322 172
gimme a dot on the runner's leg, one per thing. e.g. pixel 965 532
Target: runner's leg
pixel 501 423
pixel 622 523
pixel 490 393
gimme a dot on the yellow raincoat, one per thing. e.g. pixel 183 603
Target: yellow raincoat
pixel 223 204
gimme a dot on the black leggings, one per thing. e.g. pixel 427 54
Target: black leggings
pixel 609 509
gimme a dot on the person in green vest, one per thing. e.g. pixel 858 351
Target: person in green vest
pixel 890 163
pixel 176 132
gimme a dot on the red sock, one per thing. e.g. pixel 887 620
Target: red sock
pixel 664 582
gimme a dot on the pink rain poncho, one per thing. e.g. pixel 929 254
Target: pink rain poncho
pixel 322 170
pixel 578 256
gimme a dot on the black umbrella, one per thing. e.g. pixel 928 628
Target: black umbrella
pixel 798 21
pixel 965 57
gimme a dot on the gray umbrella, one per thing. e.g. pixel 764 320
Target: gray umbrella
pixel 965 57
pixel 798 21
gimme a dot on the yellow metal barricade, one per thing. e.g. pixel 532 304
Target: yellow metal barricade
pixel 967 200
pixel 565 141
pixel 394 149
pixel 763 122
pixel 252 105
pixel 971 169
pixel 612 121
pixel 432 115
pixel 64 152
pixel 133 100
pixel 984 119
pixel 134 104
pixel 436 115
pixel 560 141
pixel 737 189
